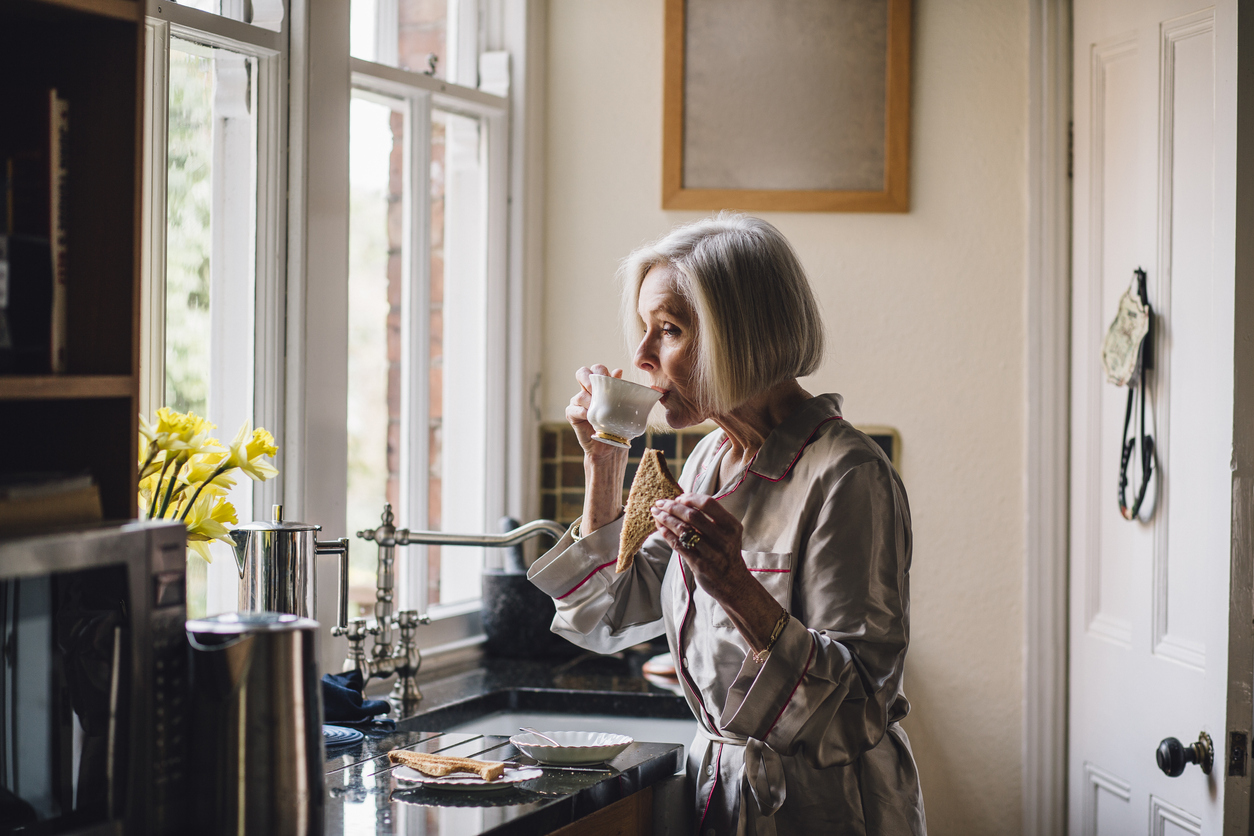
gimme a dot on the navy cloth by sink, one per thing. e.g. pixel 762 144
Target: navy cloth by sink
pixel 342 701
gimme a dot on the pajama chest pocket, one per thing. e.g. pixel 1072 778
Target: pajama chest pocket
pixel 771 569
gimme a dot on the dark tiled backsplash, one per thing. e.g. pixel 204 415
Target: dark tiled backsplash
pixel 561 465
pixel 561 462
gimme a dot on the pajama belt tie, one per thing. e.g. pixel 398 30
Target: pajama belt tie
pixel 763 770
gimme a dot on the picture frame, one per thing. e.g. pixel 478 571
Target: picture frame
pixel 787 105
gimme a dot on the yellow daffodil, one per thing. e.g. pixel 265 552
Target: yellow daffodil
pixel 247 449
pixel 169 421
pixel 207 520
pixel 147 431
pixel 185 473
pixel 220 485
pixel 262 444
pixel 205 467
pixel 192 445
pixel 182 434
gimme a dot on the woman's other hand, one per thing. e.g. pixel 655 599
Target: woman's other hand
pixel 715 558
pixel 709 538
pixel 604 465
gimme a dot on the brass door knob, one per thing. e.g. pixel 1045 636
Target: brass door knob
pixel 1173 755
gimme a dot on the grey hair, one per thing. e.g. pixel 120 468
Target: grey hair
pixel 758 323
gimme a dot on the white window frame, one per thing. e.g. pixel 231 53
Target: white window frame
pixel 165 21
pixel 301 59
pixel 452 625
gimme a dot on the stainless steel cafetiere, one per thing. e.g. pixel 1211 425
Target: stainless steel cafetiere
pixel 256 725
pixel 278 566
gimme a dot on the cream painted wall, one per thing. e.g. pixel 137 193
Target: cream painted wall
pixel 926 316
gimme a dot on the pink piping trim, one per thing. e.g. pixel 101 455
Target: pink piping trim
pixel 718 761
pixel 706 466
pixel 736 486
pixel 771 570
pixel 585 580
pixel 788 469
pixel 680 638
pixel 813 647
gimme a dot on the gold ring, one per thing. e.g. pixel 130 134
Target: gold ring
pixel 690 539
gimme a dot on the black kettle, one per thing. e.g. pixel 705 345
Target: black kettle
pixel 516 615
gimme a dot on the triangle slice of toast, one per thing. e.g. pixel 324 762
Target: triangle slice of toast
pixel 653 482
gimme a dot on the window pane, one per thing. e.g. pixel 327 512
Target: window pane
pixel 266 13
pixel 376 142
pixel 362 28
pixel 458 373
pixel 187 243
pixel 402 33
pixel 210 258
pixel 204 5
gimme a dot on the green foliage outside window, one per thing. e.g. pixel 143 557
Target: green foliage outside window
pixel 188 202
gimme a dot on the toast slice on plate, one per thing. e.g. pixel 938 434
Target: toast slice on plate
pixel 437 766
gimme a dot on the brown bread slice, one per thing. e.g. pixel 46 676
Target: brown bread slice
pixel 653 482
pixel 437 766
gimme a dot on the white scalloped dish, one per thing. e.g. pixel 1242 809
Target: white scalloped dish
pixel 576 746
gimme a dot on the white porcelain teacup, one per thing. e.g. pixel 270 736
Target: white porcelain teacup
pixel 620 409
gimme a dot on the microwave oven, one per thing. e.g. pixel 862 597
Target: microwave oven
pixel 93 681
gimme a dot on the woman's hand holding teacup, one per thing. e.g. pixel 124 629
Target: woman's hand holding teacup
pixel 604 465
pixel 577 414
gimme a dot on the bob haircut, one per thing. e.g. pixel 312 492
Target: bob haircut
pixel 757 321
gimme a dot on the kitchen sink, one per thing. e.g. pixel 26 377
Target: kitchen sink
pixel 646 716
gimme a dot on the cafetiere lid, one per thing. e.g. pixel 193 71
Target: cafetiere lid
pixel 277 523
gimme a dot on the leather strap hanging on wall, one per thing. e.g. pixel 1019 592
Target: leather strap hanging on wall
pixel 1127 354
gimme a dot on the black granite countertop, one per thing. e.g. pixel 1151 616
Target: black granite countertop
pixel 365 797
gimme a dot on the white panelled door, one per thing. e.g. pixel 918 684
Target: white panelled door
pixel 1154 187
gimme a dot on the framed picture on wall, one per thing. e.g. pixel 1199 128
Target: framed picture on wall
pixel 787 105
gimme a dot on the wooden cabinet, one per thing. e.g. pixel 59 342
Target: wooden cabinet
pixel 631 816
pixel 91 52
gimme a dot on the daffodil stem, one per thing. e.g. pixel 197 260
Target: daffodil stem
pixel 188 507
pixel 157 490
pixel 169 489
pixel 153 450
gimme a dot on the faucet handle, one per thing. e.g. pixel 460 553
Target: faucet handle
pixel 406 659
pixel 356 658
pixel 356 630
pixel 410 619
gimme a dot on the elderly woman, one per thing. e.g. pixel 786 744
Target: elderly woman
pixel 781 576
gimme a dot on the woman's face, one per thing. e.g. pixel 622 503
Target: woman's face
pixel 667 352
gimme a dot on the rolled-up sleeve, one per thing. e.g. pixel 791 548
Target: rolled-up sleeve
pixel 825 689
pixel 597 608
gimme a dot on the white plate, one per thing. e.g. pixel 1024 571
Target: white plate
pixel 467 781
pixel 576 746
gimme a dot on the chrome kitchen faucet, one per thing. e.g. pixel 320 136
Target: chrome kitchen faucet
pixel 404 659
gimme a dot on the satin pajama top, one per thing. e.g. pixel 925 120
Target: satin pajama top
pixel 809 742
